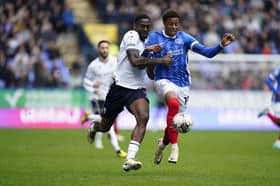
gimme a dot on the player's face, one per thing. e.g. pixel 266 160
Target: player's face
pixel 171 26
pixel 103 50
pixel 143 27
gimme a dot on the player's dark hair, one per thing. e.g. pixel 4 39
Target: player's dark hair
pixel 103 41
pixel 170 14
pixel 141 16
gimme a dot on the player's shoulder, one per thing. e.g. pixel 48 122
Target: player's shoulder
pixel 93 62
pixel 112 59
pixel 187 38
pixel 184 34
pixel 154 36
pixel 131 34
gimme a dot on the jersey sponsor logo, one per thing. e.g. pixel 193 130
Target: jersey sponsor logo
pixel 175 52
pixel 131 44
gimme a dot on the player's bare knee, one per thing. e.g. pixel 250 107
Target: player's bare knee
pixel 143 117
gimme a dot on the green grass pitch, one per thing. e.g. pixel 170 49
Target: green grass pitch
pixel 207 158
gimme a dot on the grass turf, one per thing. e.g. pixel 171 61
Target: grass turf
pixel 207 158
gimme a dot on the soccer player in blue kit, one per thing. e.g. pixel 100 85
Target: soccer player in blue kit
pixel 172 83
pixel 273 82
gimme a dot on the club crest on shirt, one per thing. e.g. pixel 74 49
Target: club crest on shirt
pixel 179 41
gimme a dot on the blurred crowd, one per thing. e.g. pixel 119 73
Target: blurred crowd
pixel 31 57
pixel 29 53
pixel 255 23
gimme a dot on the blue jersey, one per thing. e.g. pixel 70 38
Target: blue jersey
pixel 273 82
pixel 177 47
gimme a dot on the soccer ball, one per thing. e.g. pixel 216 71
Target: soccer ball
pixel 182 122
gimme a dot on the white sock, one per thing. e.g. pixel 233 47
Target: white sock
pixel 98 140
pixel 174 146
pixel 113 139
pixel 133 148
pixel 95 117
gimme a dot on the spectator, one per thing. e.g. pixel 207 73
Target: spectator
pixel 76 78
pixel 7 78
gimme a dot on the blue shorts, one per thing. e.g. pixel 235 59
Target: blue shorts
pixel 118 97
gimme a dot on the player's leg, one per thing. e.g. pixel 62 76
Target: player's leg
pixel 167 91
pixel 115 144
pixel 138 105
pixel 99 126
pixel 176 103
pixel 116 128
pixel 276 144
pixel 112 107
pixel 96 108
pixel 97 105
pixel 98 140
pixel 274 115
pixel 172 137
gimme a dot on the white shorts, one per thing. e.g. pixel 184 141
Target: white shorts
pixel 275 107
pixel 163 86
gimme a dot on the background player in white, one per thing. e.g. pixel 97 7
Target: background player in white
pixel 172 83
pixel 129 89
pixel 97 81
pixel 273 113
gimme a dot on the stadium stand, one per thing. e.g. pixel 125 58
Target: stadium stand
pixel 41 41
pixel 29 50
pixel 255 24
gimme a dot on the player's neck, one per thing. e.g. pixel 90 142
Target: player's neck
pixel 104 60
pixel 168 36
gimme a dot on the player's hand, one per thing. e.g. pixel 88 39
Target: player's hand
pixel 167 60
pixel 227 39
pixel 96 85
pixel 153 48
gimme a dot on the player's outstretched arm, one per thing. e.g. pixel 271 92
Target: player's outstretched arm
pixel 212 51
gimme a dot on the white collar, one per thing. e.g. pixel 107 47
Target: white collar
pixel 165 35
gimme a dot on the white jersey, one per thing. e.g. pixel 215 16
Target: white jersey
pixel 126 75
pixel 102 73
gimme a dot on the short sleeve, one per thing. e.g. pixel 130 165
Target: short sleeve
pixel 131 39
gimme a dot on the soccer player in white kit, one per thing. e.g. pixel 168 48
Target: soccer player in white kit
pixel 97 81
pixel 129 90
